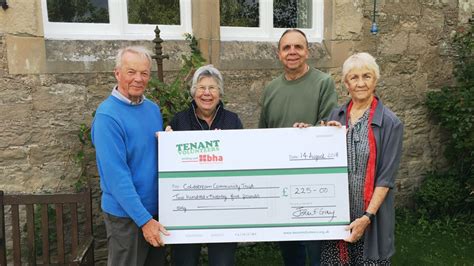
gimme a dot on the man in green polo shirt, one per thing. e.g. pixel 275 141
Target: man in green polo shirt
pixel 301 94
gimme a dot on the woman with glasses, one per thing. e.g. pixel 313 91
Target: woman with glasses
pixel 206 112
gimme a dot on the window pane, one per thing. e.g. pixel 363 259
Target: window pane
pixel 292 14
pixel 239 13
pixel 84 11
pixel 163 12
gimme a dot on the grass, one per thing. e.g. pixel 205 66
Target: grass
pixel 418 241
pixel 262 254
pixel 440 241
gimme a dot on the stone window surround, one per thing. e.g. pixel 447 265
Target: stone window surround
pixel 117 28
pixel 30 54
pixel 267 33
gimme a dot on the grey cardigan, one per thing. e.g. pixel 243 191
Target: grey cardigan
pixel 379 242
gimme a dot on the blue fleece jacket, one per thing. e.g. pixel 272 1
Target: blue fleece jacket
pixel 126 152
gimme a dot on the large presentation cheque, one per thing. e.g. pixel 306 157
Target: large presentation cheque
pixel 253 185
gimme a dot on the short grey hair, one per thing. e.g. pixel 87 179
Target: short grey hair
pixel 293 30
pixel 207 71
pixel 139 50
pixel 360 60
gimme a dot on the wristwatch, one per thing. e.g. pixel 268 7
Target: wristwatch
pixel 371 216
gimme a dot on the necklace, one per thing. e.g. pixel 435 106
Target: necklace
pixel 356 114
pixel 359 111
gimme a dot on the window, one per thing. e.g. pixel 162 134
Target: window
pixel 239 13
pixel 265 20
pixel 115 19
pixel 81 12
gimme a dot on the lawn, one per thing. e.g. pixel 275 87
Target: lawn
pixel 261 254
pixel 442 241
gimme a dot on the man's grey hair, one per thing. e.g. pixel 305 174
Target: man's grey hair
pixel 139 50
pixel 293 30
pixel 207 71
pixel 360 60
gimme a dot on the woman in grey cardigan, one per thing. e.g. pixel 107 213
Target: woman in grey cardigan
pixel 374 147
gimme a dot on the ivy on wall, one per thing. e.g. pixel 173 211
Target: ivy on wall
pixel 174 97
pixel 453 108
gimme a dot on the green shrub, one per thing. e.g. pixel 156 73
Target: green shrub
pixel 174 97
pixel 441 195
pixel 453 109
pixel 439 231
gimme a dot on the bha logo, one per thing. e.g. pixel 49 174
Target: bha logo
pixel 210 158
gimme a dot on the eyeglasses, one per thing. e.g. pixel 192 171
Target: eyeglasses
pixel 212 89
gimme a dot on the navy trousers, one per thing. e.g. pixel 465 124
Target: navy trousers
pixel 294 253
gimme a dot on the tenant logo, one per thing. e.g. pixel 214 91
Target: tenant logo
pixel 197 147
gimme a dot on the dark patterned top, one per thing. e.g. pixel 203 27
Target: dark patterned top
pixel 388 133
pixel 357 157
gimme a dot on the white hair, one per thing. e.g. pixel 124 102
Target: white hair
pixel 207 71
pixel 360 60
pixel 140 50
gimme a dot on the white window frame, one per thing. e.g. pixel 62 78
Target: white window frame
pixel 118 27
pixel 266 31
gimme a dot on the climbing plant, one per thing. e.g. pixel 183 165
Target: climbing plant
pixel 453 108
pixel 174 96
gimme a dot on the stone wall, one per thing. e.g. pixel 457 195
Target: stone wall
pixel 40 114
pixel 413 50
